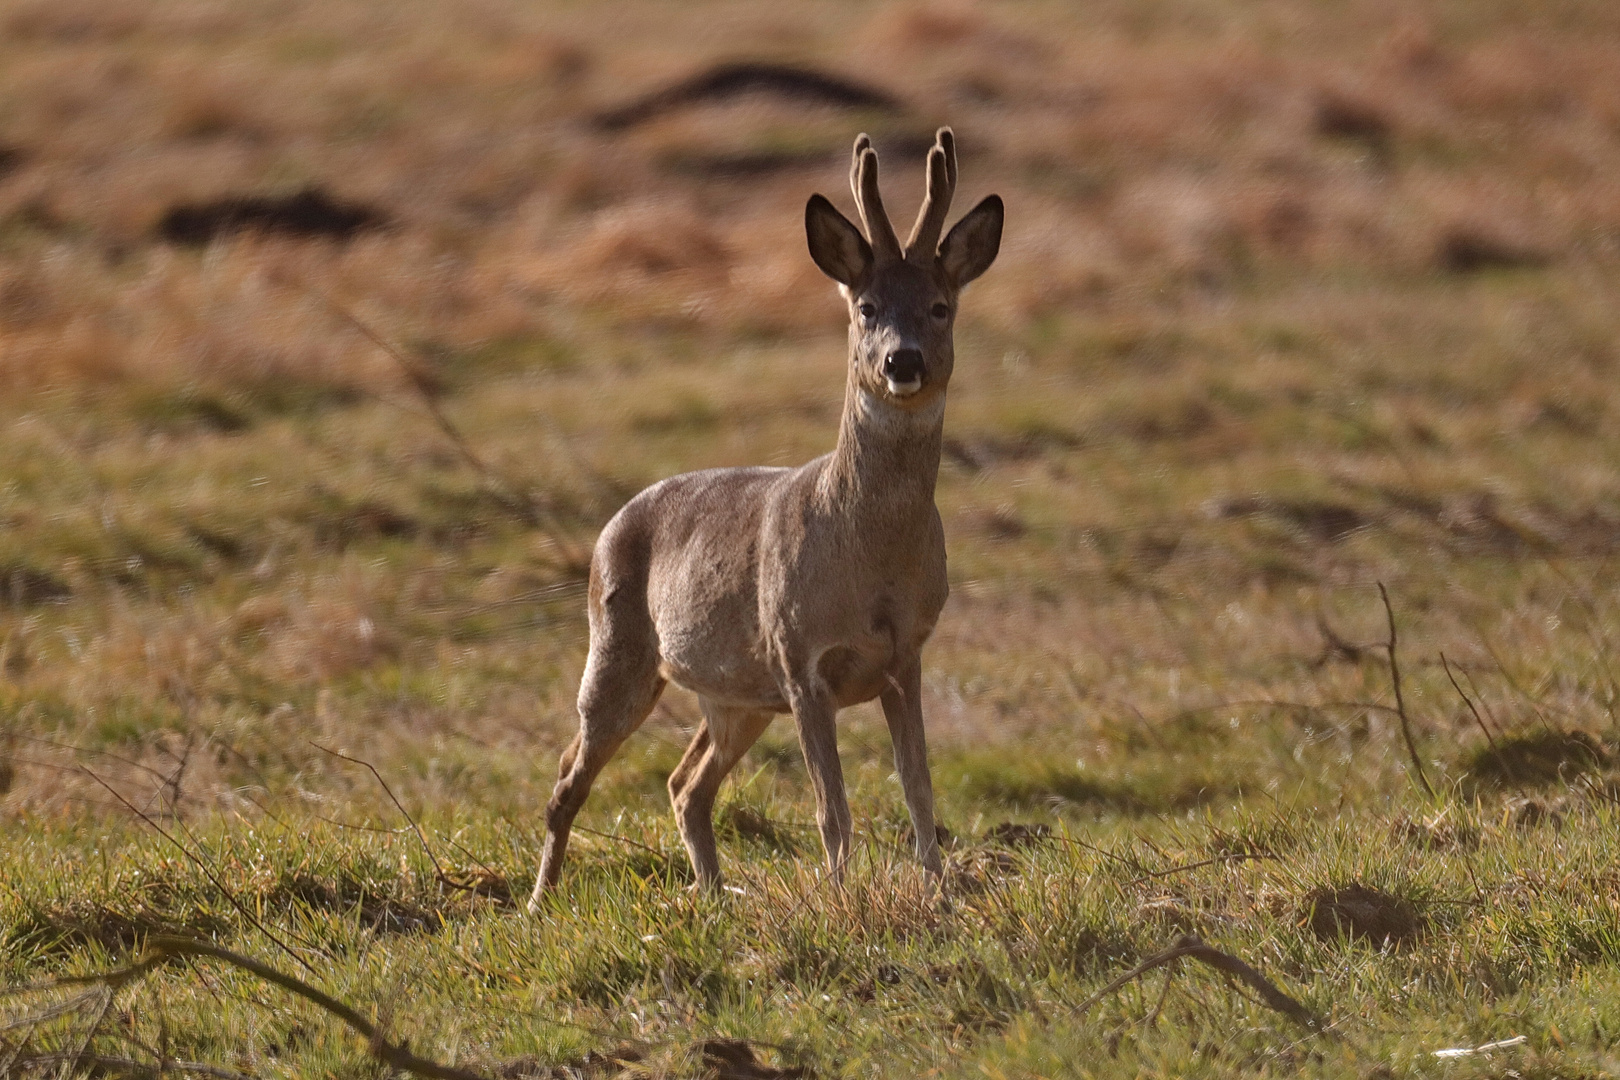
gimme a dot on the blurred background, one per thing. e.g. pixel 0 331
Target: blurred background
pixel 1294 298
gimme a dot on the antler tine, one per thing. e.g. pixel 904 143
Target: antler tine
pixel 868 200
pixel 937 203
pixel 863 143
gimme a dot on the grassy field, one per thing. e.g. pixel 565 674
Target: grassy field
pixel 1297 300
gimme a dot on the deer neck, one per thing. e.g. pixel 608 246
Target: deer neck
pixel 887 459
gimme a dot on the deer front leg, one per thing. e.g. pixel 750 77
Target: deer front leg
pixel 815 712
pixel 902 708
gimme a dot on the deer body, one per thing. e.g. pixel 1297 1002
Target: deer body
pixel 804 590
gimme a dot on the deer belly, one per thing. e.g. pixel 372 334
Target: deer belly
pixel 718 663
pixel 856 673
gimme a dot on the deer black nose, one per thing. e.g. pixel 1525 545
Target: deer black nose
pixel 904 366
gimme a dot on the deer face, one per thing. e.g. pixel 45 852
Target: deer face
pixel 902 304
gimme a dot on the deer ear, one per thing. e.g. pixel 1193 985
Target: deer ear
pixel 837 246
pixel 971 246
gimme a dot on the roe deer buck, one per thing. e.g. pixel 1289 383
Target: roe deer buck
pixel 770 590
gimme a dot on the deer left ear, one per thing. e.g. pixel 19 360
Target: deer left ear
pixel 971 246
pixel 837 246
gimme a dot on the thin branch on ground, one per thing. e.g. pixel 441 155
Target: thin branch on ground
pixel 230 897
pixel 1400 697
pixel 438 871
pixel 1192 947
pixel 1164 994
pixel 130 1067
pixel 1335 644
pixel 622 840
pixel 1468 701
pixel 165 947
pixel 1236 856
pixel 1123 860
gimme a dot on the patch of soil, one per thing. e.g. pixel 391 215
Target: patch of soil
pixel 310 213
pixel 947 839
pixel 1322 522
pixel 1537 759
pixel 1528 813
pixel 747 823
pixel 1012 834
pixel 1341 117
pixel 481 882
pixel 22 586
pixel 1358 912
pixel 975 453
pixel 383 914
pixel 1436 833
pixel 593 1065
pixel 734 1059
pixel 726 81
pixel 1464 249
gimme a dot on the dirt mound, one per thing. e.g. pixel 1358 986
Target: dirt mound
pixel 23 586
pixel 1474 249
pixel 1011 834
pixel 1538 759
pixel 310 213
pixel 733 1059
pixel 726 81
pixel 1359 912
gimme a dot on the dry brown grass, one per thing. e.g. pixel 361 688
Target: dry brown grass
pixel 1156 155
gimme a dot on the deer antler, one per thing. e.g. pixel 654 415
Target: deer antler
pixel 863 181
pixel 937 203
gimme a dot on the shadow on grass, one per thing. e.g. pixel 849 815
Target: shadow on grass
pixel 1025 784
pixel 62 931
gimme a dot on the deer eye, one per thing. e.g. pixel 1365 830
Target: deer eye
pixel 941 311
pixel 868 310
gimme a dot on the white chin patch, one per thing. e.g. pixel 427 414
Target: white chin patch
pixel 904 389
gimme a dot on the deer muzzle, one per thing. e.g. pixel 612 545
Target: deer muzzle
pixel 903 369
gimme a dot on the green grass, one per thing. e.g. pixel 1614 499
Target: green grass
pixel 1519 933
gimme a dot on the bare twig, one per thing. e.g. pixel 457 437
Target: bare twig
pixel 207 872
pixel 130 1067
pixel 1164 994
pixel 438 871
pixel 1334 644
pixel 1400 698
pixel 1236 856
pixel 396 1055
pixel 621 839
pixel 1191 946
pixel 1123 860
pixel 1468 701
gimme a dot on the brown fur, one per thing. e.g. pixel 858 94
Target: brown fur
pixel 769 590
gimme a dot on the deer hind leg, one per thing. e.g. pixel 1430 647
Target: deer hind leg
pixel 620 687
pixel 725 736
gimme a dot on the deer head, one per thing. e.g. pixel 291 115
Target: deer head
pixel 902 302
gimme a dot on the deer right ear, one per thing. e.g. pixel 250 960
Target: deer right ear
pixel 837 246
